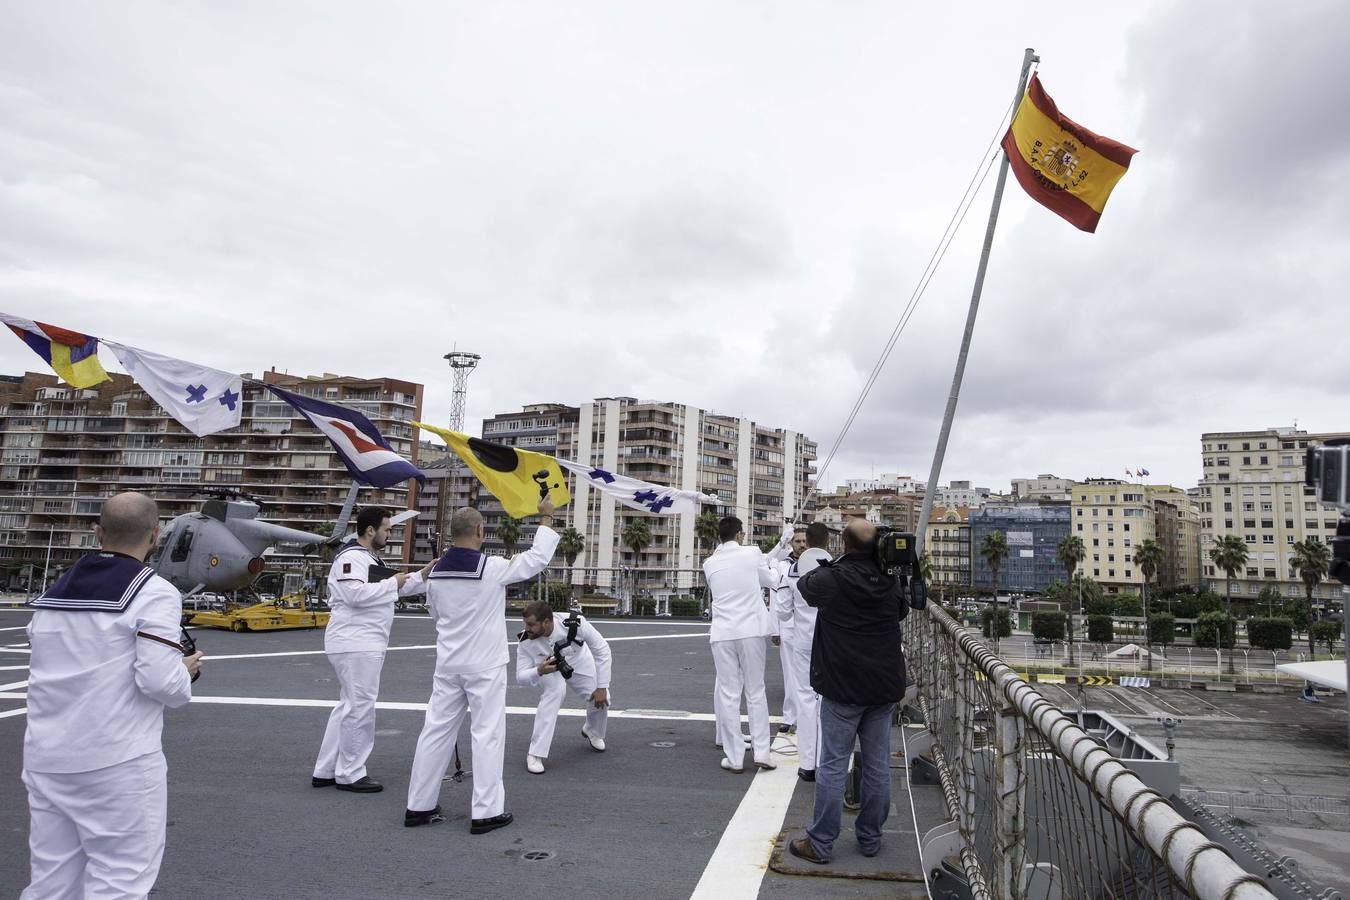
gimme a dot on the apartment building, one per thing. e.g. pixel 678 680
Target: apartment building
pixel 1252 486
pixel 63 450
pixel 759 474
pixel 1114 517
pixel 1043 487
pixel 886 481
pixel 450 486
pixel 947 543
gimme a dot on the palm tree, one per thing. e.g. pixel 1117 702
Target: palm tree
pixel 705 530
pixel 1070 552
pixel 994 549
pixel 637 537
pixel 1312 561
pixel 1229 553
pixel 1148 556
pixel 570 545
pixel 508 532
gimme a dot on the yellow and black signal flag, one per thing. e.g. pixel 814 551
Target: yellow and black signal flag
pixel 518 478
pixel 1063 166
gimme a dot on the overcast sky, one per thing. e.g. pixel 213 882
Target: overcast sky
pixel 720 204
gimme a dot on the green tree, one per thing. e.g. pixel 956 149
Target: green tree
pixel 767 544
pixel 994 618
pixel 1312 561
pixel 1101 629
pixel 1070 552
pixel 1214 629
pixel 1270 600
pixel 705 531
pixel 637 537
pixel 1162 629
pixel 570 545
pixel 1270 633
pixel 1326 632
pixel 508 532
pixel 1229 554
pixel 1048 626
pixel 994 549
pixel 925 568
pixel 1148 556
pixel 1126 603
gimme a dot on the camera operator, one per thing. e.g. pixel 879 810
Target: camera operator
pixel 858 669
pixel 584 666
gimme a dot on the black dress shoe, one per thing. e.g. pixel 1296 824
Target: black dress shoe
pixel 483 826
pixel 316 781
pixel 412 818
pixel 806 774
pixel 365 785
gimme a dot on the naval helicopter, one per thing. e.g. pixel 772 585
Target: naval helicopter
pixel 219 549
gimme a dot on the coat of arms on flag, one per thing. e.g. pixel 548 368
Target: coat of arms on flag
pixel 1064 167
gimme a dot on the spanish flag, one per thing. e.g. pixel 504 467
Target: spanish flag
pixel 1063 166
pixel 518 478
pixel 72 355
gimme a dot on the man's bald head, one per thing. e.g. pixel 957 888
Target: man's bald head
pixel 466 528
pixel 860 536
pixel 127 523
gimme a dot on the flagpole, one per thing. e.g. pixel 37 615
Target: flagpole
pixel 1028 58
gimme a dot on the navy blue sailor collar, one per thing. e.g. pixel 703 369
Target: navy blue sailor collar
pixel 105 581
pixel 460 562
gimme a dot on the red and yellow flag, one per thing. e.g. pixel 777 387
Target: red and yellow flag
pixel 1063 166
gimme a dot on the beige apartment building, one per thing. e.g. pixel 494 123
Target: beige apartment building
pixel 1253 487
pixel 64 449
pixel 1113 517
pixel 947 543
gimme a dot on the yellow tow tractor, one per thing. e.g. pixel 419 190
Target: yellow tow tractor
pixel 290 611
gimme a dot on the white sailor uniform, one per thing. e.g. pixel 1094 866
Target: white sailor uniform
pixel 355 641
pixel 105 662
pixel 590 660
pixel 780 609
pixel 740 623
pixel 804 632
pixel 466 593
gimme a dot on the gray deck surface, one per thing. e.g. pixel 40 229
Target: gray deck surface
pixel 637 821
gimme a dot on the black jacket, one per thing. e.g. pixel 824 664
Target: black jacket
pixel 856 655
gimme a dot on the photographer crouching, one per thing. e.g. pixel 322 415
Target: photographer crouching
pixel 556 656
pixel 858 668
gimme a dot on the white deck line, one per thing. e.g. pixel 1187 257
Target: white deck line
pixel 635 637
pixel 736 869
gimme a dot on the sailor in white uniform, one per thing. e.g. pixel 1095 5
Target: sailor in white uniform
pixel 781 559
pixel 736 575
pixel 466 592
pixel 361 594
pixel 106 660
pixel 804 633
pixel 587 656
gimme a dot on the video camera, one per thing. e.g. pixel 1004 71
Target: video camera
pixel 1327 470
pixel 897 553
pixel 571 623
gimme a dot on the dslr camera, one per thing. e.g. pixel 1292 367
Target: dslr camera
pixel 1327 471
pixel 898 555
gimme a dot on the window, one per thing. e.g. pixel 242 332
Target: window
pixel 1310 524
pixel 1248 523
pixel 1329 524
pixel 1288 538
pixel 1228 524
pixel 1249 507
pixel 1246 460
pixel 1221 447
pixel 1080 526
pixel 1286 460
pixel 1267 507
pixel 1267 523
pixel 1228 492
pixel 1110 573
pixel 1096 557
pixel 1268 573
pixel 1221 461
pixel 1127 571
pixel 1249 538
pixel 1246 445
pixel 1127 542
pixel 1251 571
pixel 1110 557
pixel 1096 573
pixel 1096 542
pixel 1267 538
pixel 1289 523
pixel 1265 460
